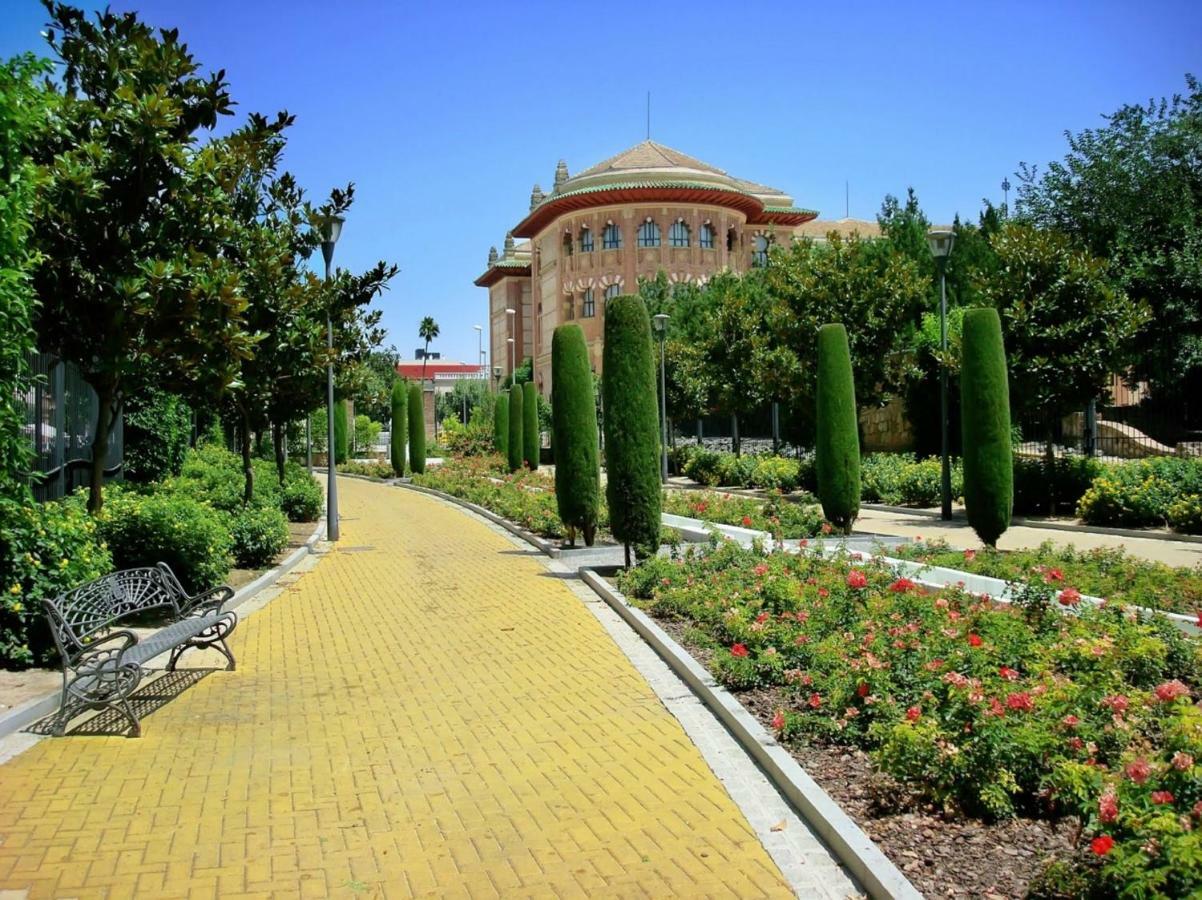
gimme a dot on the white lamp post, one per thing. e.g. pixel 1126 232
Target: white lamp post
pixel 509 324
pixel 331 230
pixel 480 348
pixel 660 325
pixel 940 240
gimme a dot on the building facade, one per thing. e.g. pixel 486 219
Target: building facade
pixel 595 234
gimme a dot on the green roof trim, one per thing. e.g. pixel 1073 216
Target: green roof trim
pixel 791 210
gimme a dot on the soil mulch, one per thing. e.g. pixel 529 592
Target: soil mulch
pixel 943 855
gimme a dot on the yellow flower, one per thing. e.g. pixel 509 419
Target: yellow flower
pixel 15 589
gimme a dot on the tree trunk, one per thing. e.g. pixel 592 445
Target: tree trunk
pixel 736 445
pixel 277 440
pixel 105 394
pixel 248 471
pixel 1050 464
pixel 627 546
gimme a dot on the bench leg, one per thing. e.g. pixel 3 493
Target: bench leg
pixel 128 710
pixel 224 649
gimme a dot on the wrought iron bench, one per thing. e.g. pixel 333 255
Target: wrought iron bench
pixel 102 667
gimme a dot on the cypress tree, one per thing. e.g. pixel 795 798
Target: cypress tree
pixel 513 448
pixel 985 426
pixel 417 430
pixel 399 436
pixel 341 448
pixel 574 433
pixel 837 450
pixel 632 486
pixel 531 443
pixel 500 425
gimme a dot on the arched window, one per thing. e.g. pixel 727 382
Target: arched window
pixel 567 245
pixel 590 305
pixel 611 237
pixel 648 234
pixel 678 234
pixel 759 256
pixel 706 237
pixel 586 240
pixel 612 291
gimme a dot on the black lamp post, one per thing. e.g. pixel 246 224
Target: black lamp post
pixel 331 231
pixel 660 323
pixel 940 240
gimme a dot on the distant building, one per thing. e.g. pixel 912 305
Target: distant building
pixel 596 233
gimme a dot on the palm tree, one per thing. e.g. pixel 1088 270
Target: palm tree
pixel 427 331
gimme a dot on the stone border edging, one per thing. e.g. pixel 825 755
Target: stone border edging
pixel 855 849
pixel 29 712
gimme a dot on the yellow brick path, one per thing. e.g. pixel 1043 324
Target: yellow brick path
pixel 426 712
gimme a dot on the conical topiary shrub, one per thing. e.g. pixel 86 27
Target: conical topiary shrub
pixel 500 425
pixel 399 436
pixel 837 447
pixel 574 433
pixel 341 446
pixel 632 485
pixel 985 426
pixel 513 450
pixel 531 443
pixel 417 430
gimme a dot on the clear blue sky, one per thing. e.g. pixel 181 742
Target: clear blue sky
pixel 444 116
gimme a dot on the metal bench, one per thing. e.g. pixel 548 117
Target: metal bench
pixel 102 667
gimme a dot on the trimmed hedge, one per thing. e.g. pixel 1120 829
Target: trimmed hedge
pixel 632 487
pixel 417 429
pixel 341 446
pixel 837 449
pixel 574 432
pixel 517 420
pixel 1145 492
pixel 985 423
pixel 531 444
pixel 500 425
pixel 399 436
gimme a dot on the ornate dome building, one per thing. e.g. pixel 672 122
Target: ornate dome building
pixel 596 233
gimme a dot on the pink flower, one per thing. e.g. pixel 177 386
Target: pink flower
pixel 857 579
pixel 1170 690
pixel 1070 596
pixel 1008 673
pixel 1108 807
pixel 1102 845
pixel 1138 770
pixel 1117 702
pixel 914 713
pixel 974 640
pixel 826 527
pixel 1162 798
pixel 970 555
pixel 739 650
pixel 778 722
pixel 1070 721
pixel 1075 743
pixel 761 570
pixel 1182 761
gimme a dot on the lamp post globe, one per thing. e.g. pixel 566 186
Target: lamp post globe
pixel 941 241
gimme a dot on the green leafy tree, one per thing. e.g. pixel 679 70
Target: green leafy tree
pixel 366 432
pixel 500 429
pixel 158 432
pixel 531 443
pixel 427 331
pixel 632 485
pixel 517 421
pixel 1131 192
pixel 985 399
pixel 837 450
pixel 399 435
pixel 574 418
pixel 417 430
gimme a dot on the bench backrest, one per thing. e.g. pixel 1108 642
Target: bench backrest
pixel 84 612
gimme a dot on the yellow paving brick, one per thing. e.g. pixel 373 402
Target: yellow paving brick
pixel 424 713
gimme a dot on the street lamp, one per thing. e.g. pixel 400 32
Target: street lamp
pixel 940 240
pixel 660 324
pixel 479 347
pixel 510 342
pixel 496 378
pixel 509 323
pixel 331 230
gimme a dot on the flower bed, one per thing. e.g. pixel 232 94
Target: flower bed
pixel 984 712
pixel 1108 573
pixel 780 518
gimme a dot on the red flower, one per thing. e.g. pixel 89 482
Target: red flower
pixel 761 570
pixel 815 701
pixel 826 527
pixel 1102 845
pixel 1162 798
pixel 1108 807
pixel 1008 673
pixel 1070 721
pixel 1118 703
pixel 778 722
pixel 1138 770
pixel 914 713
pixel 1170 690
pixel 739 650
pixel 1020 700
pixel 1051 575
pixel 863 689
pixel 762 618
pixel 901 586
pixel 823 592
pixel 857 579
pixel 746 521
pixel 1070 596
pixel 974 640
pixel 970 555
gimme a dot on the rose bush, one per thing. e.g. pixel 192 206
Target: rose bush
pixel 782 518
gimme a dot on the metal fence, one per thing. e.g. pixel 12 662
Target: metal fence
pixel 60 419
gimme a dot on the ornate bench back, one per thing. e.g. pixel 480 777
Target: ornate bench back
pixel 90 609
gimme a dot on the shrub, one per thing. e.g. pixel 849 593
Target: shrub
pixel 1140 492
pixel 531 443
pixel 574 432
pixel 213 475
pixel 172 527
pixel 258 534
pixel 473 439
pixel 300 498
pixel 985 426
pixel 735 471
pixel 781 518
pixel 399 436
pixel 837 448
pixel 500 425
pixel 341 448
pixel 704 466
pixel 415 407
pixel 517 422
pixel 1185 514
pixel 370 469
pixel 1067 481
pixel 775 473
pixel 632 486
pixel 158 429
pixel 45 550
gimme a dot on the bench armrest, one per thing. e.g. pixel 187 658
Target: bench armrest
pixel 207 601
pixel 100 649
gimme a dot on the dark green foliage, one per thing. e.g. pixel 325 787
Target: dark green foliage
pixel 259 533
pixel 514 446
pixel 985 418
pixel 399 435
pixel 530 430
pixel 158 429
pixel 341 445
pixel 837 449
pixel 301 497
pixel 417 430
pixel 500 425
pixel 631 426
pixel 574 431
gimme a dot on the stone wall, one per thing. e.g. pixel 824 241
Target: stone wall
pixel 886 428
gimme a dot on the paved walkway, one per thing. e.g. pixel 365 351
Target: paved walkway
pixel 429 711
